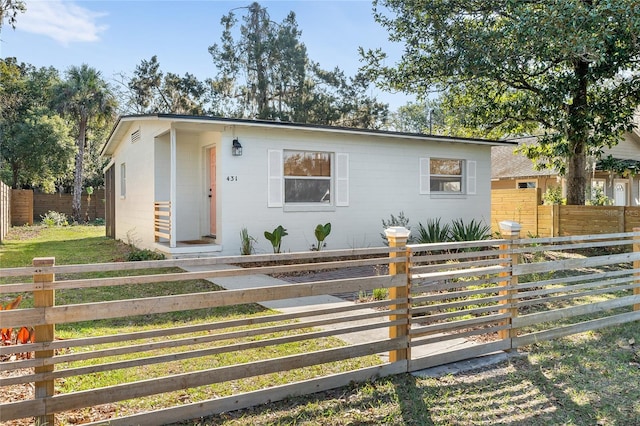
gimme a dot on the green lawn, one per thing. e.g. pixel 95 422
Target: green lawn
pixel 68 244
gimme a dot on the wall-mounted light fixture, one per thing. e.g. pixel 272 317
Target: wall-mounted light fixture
pixel 236 148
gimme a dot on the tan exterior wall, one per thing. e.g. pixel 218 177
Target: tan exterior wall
pixel 542 182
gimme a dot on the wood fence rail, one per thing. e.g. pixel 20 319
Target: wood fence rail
pixel 192 334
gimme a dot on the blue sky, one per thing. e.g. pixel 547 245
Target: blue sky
pixel 114 36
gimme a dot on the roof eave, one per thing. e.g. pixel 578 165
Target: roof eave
pixel 117 129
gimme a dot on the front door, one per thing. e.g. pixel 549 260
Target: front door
pixel 212 191
pixel 620 192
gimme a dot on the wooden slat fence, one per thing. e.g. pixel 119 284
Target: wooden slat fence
pixel 91 208
pixel 162 220
pixel 519 205
pixel 21 207
pixel 505 294
pixel 202 353
pixel 458 300
pixel 524 206
pixel 209 350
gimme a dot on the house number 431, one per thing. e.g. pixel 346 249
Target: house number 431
pixel 232 178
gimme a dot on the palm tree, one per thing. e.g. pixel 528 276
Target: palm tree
pixel 85 98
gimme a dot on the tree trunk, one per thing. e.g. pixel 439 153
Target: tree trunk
pixel 76 201
pixel 577 137
pixel 576 173
pixel 15 171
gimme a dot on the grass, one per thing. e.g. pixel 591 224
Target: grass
pixel 68 244
pixel 590 378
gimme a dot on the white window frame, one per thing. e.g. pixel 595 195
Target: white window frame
pixel 329 179
pixel 468 180
pixel 526 183
pixel 339 182
pixel 598 182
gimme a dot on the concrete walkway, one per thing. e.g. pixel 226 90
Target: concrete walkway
pixel 303 304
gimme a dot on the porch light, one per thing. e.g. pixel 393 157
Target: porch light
pixel 236 148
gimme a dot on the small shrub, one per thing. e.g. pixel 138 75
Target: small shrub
pixel 400 220
pixel 321 232
pixel 275 237
pixel 132 238
pixel 376 294
pixel 472 231
pixel 246 242
pixel 433 233
pixel 598 198
pixel 136 255
pixel 98 221
pixel 52 218
pixel 553 195
pixel 380 293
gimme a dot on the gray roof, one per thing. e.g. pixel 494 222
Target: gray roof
pixel 505 163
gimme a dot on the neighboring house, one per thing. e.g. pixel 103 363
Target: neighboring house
pixel 215 176
pixel 617 173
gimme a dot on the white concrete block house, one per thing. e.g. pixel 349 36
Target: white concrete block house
pixel 294 175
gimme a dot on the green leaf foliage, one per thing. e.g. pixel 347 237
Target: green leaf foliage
pixel 321 232
pixel 434 232
pixel 399 220
pixel 9 10
pixel 471 231
pixel 275 237
pixel 36 148
pixel 153 91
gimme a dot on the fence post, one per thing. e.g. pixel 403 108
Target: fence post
pixel 397 237
pixel 44 298
pixel 555 220
pixel 511 231
pixel 636 265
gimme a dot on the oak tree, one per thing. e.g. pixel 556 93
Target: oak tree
pixel 567 70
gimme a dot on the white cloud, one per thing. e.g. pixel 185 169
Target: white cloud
pixel 63 21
